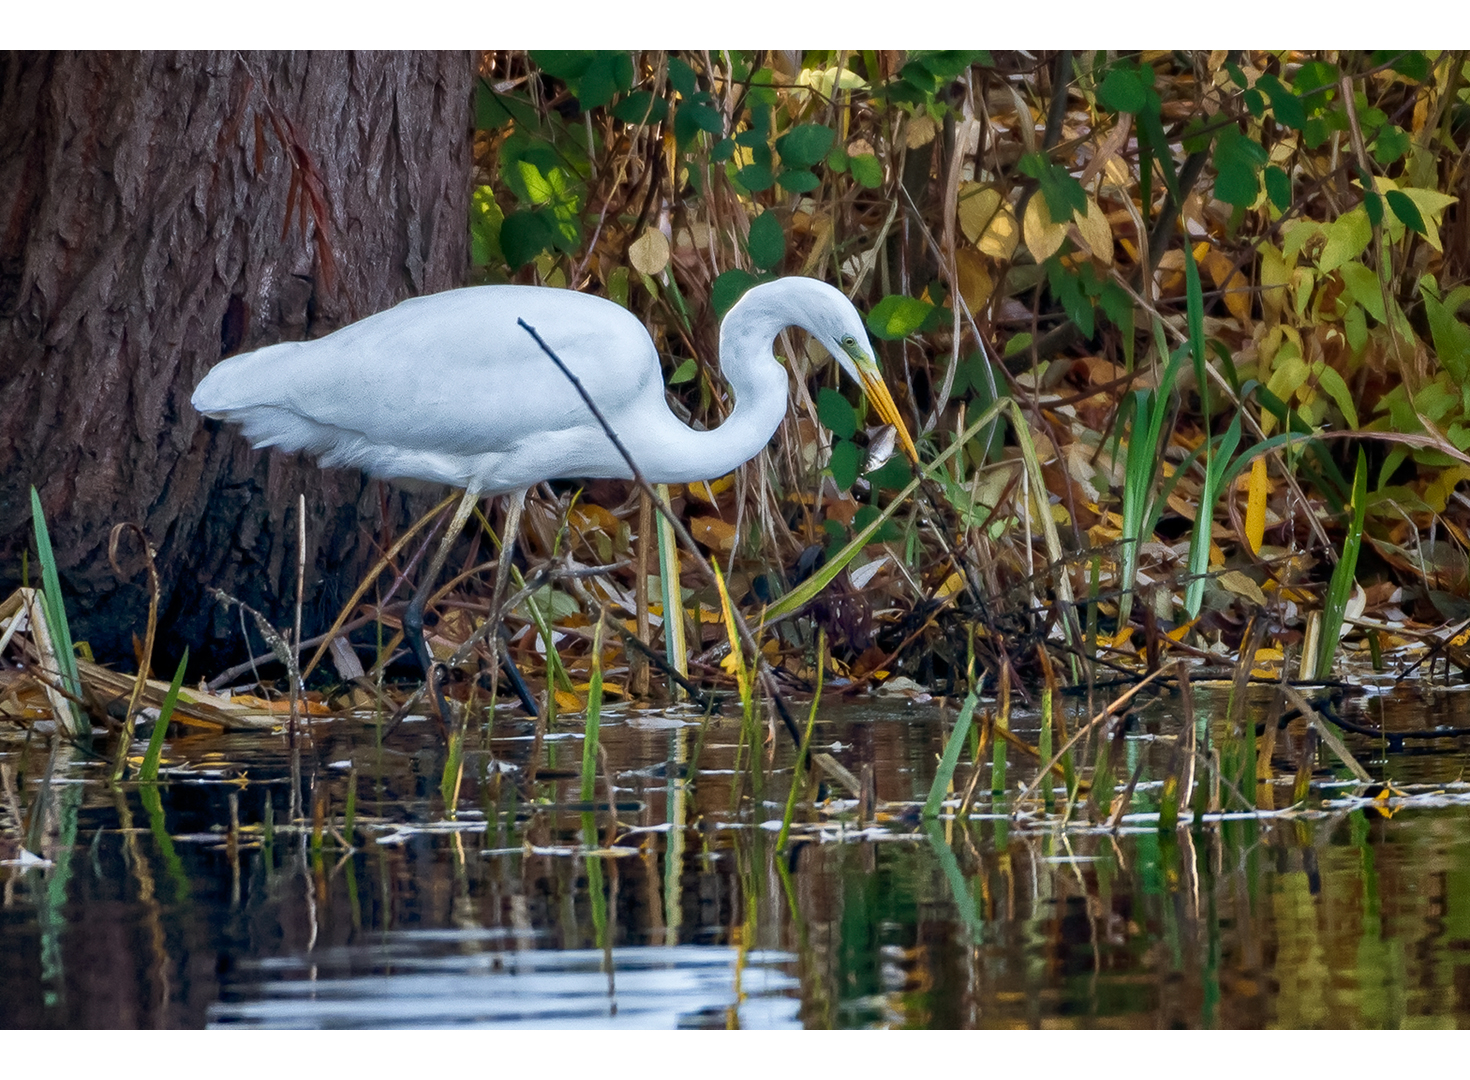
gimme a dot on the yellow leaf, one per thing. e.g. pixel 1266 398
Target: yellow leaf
pixel 827 80
pixel 1221 269
pixel 566 701
pixel 1289 377
pixel 709 491
pixel 920 132
pixel 1043 236
pixel 1437 494
pixel 649 254
pixel 1431 205
pixel 1097 234
pixel 1255 506
pixel 1238 583
pixel 975 206
pixel 975 281
pixel 952 584
pixel 999 241
pixel 713 533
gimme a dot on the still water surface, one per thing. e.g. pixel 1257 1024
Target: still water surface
pixel 203 906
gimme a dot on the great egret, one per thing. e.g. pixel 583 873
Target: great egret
pixel 448 388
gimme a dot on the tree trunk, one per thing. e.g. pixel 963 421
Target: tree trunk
pixel 160 211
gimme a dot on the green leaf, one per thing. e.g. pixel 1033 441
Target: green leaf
pixel 767 243
pixel 538 188
pixel 805 145
pixel 694 117
pixel 1063 193
pixel 563 64
pixel 798 181
pixel 1319 129
pixel 485 221
pixel 494 111
pixel 684 372
pixel 844 462
pixel 836 414
pixel 1020 343
pixel 1287 106
pixel 894 474
pixel 706 117
pixel 1122 91
pixel 681 77
pixel 1355 326
pixel 1238 159
pixel 1411 65
pixel 633 108
pixel 1404 209
pixel 1451 336
pixel 1067 288
pixel 756 177
pixel 1315 75
pixel 1362 286
pixel 1347 237
pixel 1337 389
pixel 896 317
pixel 729 287
pixel 523 236
pixel 1278 186
pixel 1372 201
pixel 1391 145
pixel 868 514
pixel 867 170
pixel 610 73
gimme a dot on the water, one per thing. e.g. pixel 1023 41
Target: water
pixel 202 906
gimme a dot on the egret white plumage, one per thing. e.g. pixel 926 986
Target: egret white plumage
pixel 448 388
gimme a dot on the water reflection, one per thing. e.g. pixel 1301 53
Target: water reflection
pixel 200 902
pixel 419 978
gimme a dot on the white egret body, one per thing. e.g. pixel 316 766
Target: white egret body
pixel 449 388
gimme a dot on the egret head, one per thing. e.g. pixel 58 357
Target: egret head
pixel 838 326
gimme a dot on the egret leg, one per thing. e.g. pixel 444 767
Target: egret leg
pixel 515 502
pixel 413 615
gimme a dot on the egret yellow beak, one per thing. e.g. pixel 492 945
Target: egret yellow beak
pixel 883 403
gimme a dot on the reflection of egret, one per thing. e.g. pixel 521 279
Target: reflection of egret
pixel 448 388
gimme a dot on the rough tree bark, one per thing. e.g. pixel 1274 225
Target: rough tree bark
pixel 159 211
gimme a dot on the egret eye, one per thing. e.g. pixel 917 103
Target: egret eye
pixel 849 342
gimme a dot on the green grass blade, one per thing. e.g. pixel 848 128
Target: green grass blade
pixel 1195 309
pixel 806 742
pixel 1199 541
pixel 149 772
pixel 1341 586
pixel 951 756
pixel 66 655
pixel 594 719
pixel 675 647
pixel 807 591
